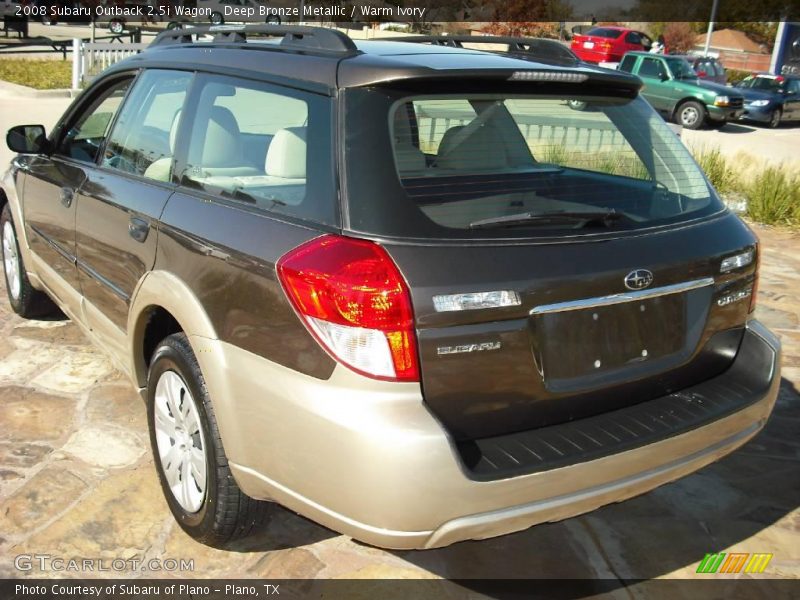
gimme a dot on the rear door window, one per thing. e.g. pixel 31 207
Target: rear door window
pixel 262 146
pixel 633 38
pixel 651 67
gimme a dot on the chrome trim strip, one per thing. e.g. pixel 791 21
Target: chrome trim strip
pixel 624 297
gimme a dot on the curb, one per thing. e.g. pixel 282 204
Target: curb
pixel 12 89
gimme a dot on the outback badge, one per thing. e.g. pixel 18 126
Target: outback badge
pixel 638 279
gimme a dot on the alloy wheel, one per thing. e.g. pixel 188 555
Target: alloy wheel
pixel 180 441
pixel 11 260
pixel 689 116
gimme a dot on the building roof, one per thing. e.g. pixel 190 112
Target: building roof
pixel 730 39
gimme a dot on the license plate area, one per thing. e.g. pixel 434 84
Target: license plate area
pixel 595 340
pixel 588 44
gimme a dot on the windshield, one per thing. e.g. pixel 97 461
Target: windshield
pixel 681 69
pixel 479 165
pixel 766 84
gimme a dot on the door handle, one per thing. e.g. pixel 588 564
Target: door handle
pixel 66 195
pixel 138 229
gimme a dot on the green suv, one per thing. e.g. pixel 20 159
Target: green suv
pixel 673 88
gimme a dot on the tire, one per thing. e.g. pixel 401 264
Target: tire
pixel 273 20
pixel 116 26
pixel 691 115
pixel 216 18
pixel 775 118
pixel 208 505
pixel 25 300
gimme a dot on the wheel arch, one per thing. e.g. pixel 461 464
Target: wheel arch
pixel 162 304
pixel 8 195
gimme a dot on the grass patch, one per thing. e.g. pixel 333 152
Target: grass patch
pixel 772 192
pixel 719 170
pixel 39 74
pixel 774 196
pixel 613 162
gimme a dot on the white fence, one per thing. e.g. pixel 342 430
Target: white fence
pixel 90 58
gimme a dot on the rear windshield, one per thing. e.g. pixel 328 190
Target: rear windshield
pixel 489 165
pixel 605 33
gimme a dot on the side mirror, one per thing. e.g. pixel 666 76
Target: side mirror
pixel 27 139
pixel 663 76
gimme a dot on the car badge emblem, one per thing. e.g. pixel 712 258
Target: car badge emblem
pixel 638 279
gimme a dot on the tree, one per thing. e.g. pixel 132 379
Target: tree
pixel 679 37
pixel 542 29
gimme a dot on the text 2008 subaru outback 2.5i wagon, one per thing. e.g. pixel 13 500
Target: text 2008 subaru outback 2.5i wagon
pixel 402 289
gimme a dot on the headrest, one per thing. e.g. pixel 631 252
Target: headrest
pixel 481 149
pixel 286 155
pixel 223 145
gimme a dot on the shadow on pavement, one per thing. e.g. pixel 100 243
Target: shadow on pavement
pixel 286 529
pixel 736 128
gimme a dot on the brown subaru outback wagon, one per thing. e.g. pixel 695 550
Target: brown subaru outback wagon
pixel 404 289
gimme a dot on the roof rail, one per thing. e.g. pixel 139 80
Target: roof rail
pixel 521 47
pixel 295 37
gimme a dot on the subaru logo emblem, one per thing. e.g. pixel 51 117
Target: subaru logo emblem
pixel 638 279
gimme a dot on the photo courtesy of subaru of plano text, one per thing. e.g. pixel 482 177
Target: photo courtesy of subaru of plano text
pixel 405 289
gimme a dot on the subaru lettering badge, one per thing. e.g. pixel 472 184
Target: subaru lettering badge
pixel 639 279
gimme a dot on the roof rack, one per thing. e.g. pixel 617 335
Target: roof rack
pixel 520 47
pixel 295 37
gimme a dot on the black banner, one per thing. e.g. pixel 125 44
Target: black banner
pixel 410 11
pixel 406 589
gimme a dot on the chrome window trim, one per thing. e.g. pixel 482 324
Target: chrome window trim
pixel 624 297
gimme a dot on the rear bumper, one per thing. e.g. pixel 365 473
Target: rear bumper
pixel 366 458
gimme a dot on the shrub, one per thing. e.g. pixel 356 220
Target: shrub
pixel 773 196
pixel 718 169
pixel 735 75
pixel 679 36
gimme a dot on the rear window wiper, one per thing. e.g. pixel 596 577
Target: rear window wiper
pixel 581 219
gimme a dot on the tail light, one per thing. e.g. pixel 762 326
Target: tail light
pixel 353 299
pixel 754 293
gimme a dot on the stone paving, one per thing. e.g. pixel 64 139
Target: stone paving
pixel 77 480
